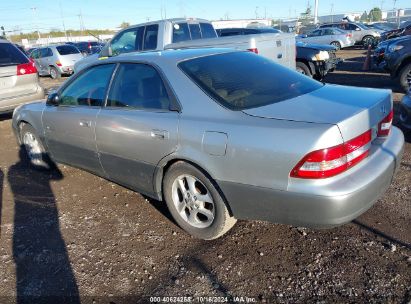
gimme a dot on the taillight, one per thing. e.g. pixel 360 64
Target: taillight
pixel 349 35
pixel 384 127
pixel 332 161
pixel 254 50
pixel 58 63
pixel 26 68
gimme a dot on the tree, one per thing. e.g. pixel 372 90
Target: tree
pixel 375 14
pixel 364 17
pixel 124 24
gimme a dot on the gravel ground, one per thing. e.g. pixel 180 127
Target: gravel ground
pixel 78 237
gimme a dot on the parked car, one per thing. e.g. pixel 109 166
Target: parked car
pixel 19 81
pixel 316 60
pixel 360 33
pixel 56 60
pixel 333 36
pixel 311 60
pixel 397 60
pixel 381 26
pixel 218 140
pixel 404 31
pixel 405 110
pixel 182 33
pixel 88 47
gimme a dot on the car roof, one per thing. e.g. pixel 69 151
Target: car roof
pixel 170 56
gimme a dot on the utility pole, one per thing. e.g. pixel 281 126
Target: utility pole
pixel 80 17
pixel 316 12
pixel 62 19
pixel 332 12
pixel 34 10
pixel 256 12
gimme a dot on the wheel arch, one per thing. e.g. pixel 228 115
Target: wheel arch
pixel 308 64
pixel 404 62
pixel 165 165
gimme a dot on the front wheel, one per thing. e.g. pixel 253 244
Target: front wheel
pixel 405 77
pixel 195 203
pixel 36 153
pixel 368 41
pixel 302 68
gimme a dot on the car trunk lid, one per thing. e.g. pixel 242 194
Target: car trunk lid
pixel 353 110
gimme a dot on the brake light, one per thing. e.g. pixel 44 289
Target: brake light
pixel 26 68
pixel 384 127
pixel 348 35
pixel 254 50
pixel 335 160
pixel 58 63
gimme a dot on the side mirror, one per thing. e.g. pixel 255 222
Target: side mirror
pixel 106 51
pixel 53 99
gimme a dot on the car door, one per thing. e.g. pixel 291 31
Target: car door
pixel 70 127
pixel 35 55
pixel 136 128
pixel 313 37
pixel 327 36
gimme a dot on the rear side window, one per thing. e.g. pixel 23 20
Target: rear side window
pixel 11 55
pixel 195 31
pixel 89 88
pixel 255 82
pixel 207 30
pixel 150 37
pixel 138 86
pixel 181 32
pixel 67 50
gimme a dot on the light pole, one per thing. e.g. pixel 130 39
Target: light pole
pixel 316 12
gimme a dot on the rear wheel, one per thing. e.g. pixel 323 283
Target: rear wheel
pixel 54 73
pixel 195 203
pixel 302 68
pixel 336 44
pixel 368 41
pixel 36 153
pixel 405 77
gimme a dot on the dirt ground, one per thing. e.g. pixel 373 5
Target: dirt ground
pixel 75 237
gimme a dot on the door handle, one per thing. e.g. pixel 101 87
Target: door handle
pixel 85 123
pixel 159 134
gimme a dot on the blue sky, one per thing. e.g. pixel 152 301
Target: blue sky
pixel 109 14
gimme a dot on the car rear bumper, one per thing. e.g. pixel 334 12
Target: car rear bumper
pixel 405 112
pixel 354 194
pixel 13 102
pixel 67 70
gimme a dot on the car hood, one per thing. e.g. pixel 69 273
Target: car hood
pixel 314 46
pixel 339 105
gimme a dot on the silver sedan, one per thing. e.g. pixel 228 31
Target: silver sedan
pixel 333 36
pixel 220 141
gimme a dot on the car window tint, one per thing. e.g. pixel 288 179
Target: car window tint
pixel 89 88
pixel 150 37
pixel 233 86
pixel 35 54
pixel 195 31
pixel 180 32
pixel 128 41
pixel 207 30
pixel 328 32
pixel 138 86
pixel 67 50
pixel 351 27
pixel 230 33
pixel 10 55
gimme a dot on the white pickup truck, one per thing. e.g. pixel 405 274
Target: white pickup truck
pixel 193 33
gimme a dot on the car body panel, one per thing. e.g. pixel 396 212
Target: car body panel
pixel 251 157
pixel 322 36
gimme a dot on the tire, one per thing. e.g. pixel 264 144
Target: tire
pixel 405 77
pixel 302 68
pixel 368 40
pixel 336 44
pixel 35 152
pixel 54 73
pixel 205 219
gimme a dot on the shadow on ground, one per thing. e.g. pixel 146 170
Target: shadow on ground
pixel 43 270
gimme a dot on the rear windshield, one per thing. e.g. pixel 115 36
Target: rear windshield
pixel 255 82
pixel 67 50
pixel 11 55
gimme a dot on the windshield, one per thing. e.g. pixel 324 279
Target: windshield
pixel 255 82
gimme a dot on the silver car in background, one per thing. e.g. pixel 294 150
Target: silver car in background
pixel 56 60
pixel 19 82
pixel 361 34
pixel 217 143
pixel 332 36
